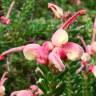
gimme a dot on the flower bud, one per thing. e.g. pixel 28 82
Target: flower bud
pixel 58 12
pixel 60 37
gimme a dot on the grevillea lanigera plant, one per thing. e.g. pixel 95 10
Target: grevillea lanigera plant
pixel 52 53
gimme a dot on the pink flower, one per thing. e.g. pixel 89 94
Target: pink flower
pixel 58 12
pixel 36 90
pixel 4 20
pixel 33 91
pixel 70 51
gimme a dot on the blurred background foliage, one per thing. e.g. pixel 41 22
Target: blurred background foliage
pixel 33 22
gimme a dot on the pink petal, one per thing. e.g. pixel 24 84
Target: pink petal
pixel 31 51
pixel 43 55
pixel 60 37
pixel 55 61
pixel 73 51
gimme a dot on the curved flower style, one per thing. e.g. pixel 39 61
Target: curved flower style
pixel 2 81
pixel 16 49
pixel 60 37
pixel 58 12
pixel 32 52
pixel 33 91
pixel 71 19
